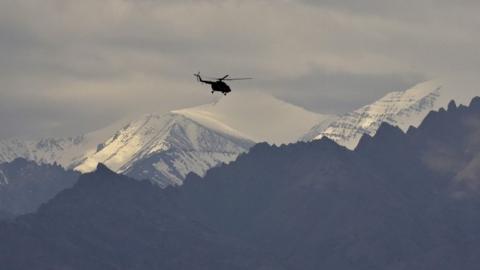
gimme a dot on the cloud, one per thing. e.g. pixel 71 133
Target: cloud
pixel 120 57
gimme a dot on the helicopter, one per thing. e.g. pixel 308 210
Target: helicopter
pixel 219 85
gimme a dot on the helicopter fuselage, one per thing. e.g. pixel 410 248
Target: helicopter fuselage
pixel 220 86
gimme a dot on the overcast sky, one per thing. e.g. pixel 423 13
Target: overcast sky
pixel 67 67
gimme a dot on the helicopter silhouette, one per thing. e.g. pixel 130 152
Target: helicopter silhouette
pixel 219 85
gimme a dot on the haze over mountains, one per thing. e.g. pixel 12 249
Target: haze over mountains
pixel 166 147
pixel 258 117
pixel 399 201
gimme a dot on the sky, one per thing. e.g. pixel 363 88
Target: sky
pixel 68 66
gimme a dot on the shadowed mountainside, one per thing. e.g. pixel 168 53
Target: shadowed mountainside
pixel 25 185
pixel 399 201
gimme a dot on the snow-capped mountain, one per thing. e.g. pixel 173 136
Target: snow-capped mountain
pixel 259 117
pixel 64 151
pixel 165 148
pixel 46 150
pixel 318 128
pixel 402 108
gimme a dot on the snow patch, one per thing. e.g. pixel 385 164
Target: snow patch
pixel 3 178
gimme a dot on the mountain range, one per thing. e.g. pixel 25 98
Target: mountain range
pixel 400 200
pixel 166 147
pixel 400 108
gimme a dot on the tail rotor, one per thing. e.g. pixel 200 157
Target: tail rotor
pixel 197 75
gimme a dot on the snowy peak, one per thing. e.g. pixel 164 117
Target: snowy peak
pixel 161 147
pixel 402 109
pixel 259 117
pixel 318 128
pixel 64 151
pixel 49 150
pixel 147 133
pixel 165 148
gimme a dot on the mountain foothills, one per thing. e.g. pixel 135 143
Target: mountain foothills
pixel 401 200
pixel 109 221
pixel 25 185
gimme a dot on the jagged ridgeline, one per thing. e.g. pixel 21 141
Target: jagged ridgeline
pixel 399 201
pixel 25 185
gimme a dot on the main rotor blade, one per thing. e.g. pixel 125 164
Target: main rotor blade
pixel 237 79
pixel 216 78
pixel 224 78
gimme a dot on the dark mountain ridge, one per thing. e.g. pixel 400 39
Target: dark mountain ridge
pixel 110 221
pixel 384 206
pixel 25 185
pixel 399 201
